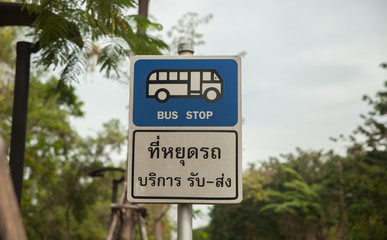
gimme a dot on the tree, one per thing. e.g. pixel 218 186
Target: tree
pixel 67 31
pixel 56 184
pixel 375 123
pixel 185 31
pixel 316 195
pixel 58 159
pixel 281 202
pixel 367 161
pixel 60 201
pixel 200 234
pixel 299 206
pixel 245 220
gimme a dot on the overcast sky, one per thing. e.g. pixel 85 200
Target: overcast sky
pixel 307 66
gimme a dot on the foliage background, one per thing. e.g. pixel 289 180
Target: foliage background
pixel 338 52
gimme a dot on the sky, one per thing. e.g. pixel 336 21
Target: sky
pixel 308 64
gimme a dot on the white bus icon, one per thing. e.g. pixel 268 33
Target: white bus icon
pixel 163 84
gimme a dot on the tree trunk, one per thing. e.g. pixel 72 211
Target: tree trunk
pixel 116 216
pixel 3 150
pixel 11 225
pixel 343 224
pixel 128 224
pixel 143 6
pixel 68 235
pixel 141 222
pixel 158 232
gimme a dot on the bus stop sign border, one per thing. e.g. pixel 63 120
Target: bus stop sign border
pixel 188 95
pixel 218 123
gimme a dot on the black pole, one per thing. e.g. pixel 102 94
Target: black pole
pixel 115 185
pixel 19 116
pixel 114 193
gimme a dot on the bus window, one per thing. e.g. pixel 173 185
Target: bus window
pixel 153 77
pixel 173 76
pixel 206 76
pixel 216 78
pixel 195 81
pixel 162 76
pixel 183 75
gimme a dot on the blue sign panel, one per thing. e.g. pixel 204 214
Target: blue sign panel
pixel 185 92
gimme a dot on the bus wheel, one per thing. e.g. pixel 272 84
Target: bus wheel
pixel 162 95
pixel 211 95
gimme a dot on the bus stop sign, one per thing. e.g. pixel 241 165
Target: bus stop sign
pixel 185 129
pixel 185 92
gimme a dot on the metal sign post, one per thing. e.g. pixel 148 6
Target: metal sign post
pixel 184 221
pixel 184 211
pixel 185 129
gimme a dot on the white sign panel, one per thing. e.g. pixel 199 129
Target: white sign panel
pixel 185 164
pixel 185 130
